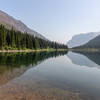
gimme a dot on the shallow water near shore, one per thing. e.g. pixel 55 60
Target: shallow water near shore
pixel 50 76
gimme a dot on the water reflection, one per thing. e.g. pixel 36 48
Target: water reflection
pixel 88 59
pixel 88 80
pixel 14 64
pixel 71 76
pixel 42 82
pixel 93 56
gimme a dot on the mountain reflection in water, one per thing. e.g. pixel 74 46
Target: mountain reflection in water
pixel 89 59
pixel 64 76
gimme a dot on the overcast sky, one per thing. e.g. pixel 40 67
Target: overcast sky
pixel 58 20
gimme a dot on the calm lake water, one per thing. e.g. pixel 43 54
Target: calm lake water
pixel 50 76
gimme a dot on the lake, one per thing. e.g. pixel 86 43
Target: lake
pixel 50 76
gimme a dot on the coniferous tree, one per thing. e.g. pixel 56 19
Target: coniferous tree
pixel 11 39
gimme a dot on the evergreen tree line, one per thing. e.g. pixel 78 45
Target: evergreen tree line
pixel 11 39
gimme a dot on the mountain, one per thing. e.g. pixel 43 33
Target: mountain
pixel 10 22
pixel 81 39
pixel 94 43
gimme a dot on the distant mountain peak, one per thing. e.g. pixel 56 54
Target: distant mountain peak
pixel 82 39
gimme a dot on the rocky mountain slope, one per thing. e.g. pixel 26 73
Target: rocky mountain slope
pixel 94 43
pixel 81 39
pixel 10 22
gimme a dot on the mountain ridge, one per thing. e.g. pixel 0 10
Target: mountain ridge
pixel 81 39
pixel 9 22
pixel 94 43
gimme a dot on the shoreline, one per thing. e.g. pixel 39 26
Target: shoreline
pixel 85 50
pixel 40 50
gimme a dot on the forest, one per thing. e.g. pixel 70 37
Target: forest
pixel 10 39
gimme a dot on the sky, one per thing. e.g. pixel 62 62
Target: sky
pixel 58 20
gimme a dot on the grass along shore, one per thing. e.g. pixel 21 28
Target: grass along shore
pixel 33 50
